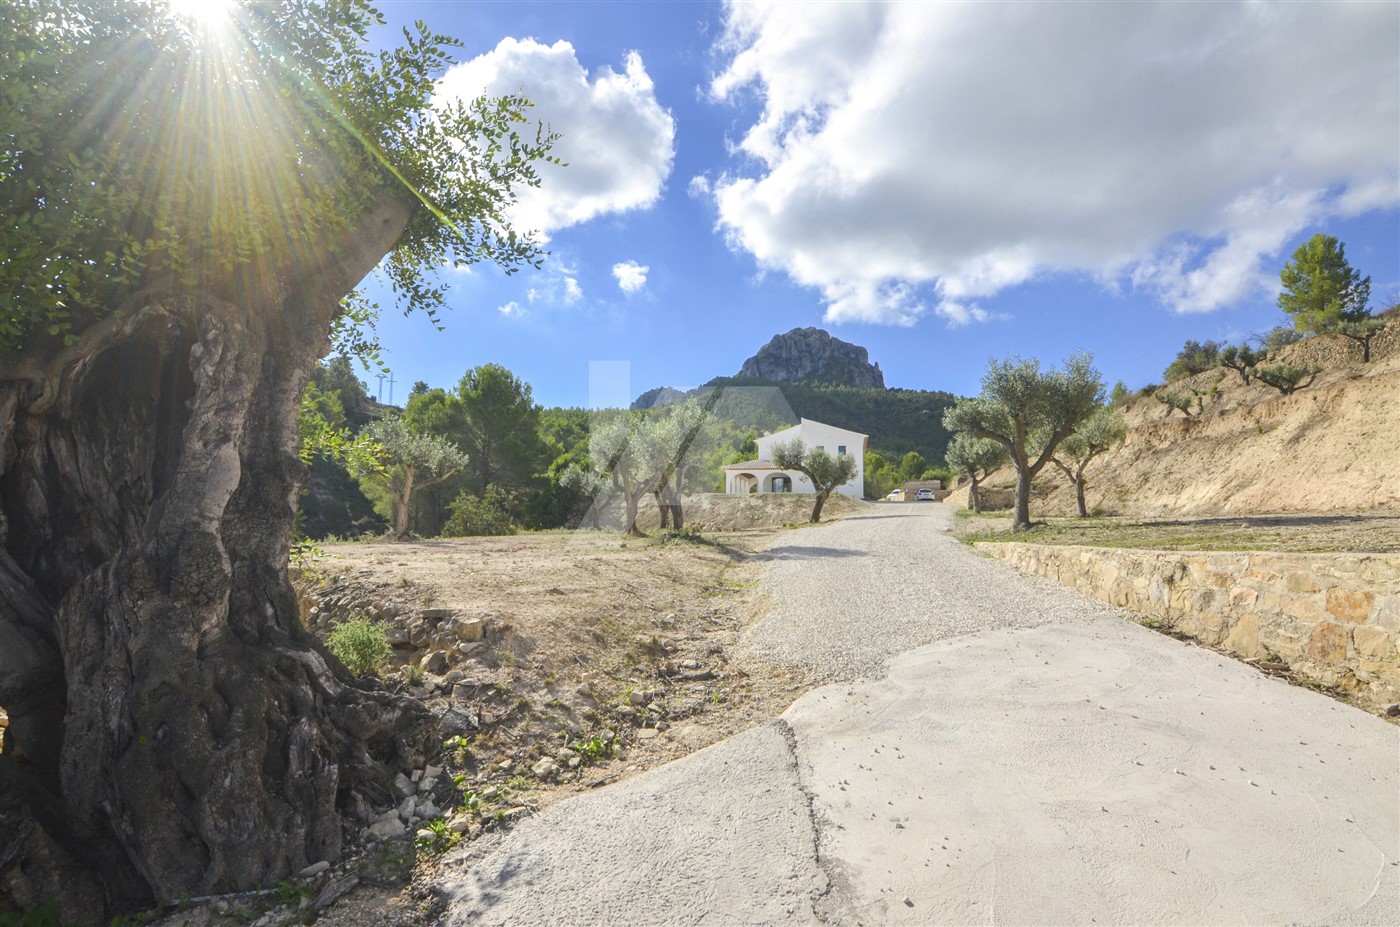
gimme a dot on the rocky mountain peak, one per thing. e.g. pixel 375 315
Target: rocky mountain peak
pixel 813 355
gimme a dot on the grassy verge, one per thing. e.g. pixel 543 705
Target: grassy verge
pixel 1360 533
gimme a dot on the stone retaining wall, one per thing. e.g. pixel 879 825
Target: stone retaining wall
pixel 1331 617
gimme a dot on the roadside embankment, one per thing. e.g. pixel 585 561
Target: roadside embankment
pixel 1334 618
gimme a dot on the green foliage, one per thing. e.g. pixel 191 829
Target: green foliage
pixel 1119 394
pixel 1280 337
pixel 635 452
pixel 414 675
pixel 1195 357
pixel 912 465
pixel 288 893
pixel 126 164
pixel 1175 399
pixel 1285 378
pixel 441 839
pixel 944 475
pixel 826 471
pixel 596 749
pixel 976 458
pixel 460 747
pixel 1026 409
pixel 1096 435
pixel 500 428
pixel 334 405
pixel 361 644
pixel 487 514
pixel 1241 359
pixel 1321 290
pixel 897 420
pixel 44 915
pixel 880 477
pixel 1361 331
pixel 336 376
pixel 404 462
pixel 492 416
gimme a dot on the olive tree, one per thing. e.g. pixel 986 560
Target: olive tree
pixel 977 459
pixel 587 482
pixel 186 214
pixel 1096 435
pixel 403 461
pixel 1029 411
pixel 641 453
pixel 1285 378
pixel 1179 401
pixel 619 452
pixel 1242 359
pixel 826 471
pixel 678 439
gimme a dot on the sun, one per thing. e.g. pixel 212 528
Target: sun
pixel 204 14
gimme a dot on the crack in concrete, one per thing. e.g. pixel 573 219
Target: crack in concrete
pixel 821 900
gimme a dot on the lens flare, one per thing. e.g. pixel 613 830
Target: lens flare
pixel 204 14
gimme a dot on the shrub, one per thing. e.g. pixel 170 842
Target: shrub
pixel 1281 337
pixel 1176 399
pixel 1284 377
pixel 1195 357
pixel 1242 359
pixel 479 515
pixel 945 475
pixel 362 645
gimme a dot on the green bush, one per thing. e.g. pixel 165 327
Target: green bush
pixel 474 515
pixel 1195 357
pixel 362 645
pixel 943 474
pixel 1280 337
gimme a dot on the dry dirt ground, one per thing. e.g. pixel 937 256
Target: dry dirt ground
pixel 602 656
pixel 1246 449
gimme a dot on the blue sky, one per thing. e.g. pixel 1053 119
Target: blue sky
pixel 940 183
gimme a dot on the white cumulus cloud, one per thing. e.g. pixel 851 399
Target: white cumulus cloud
pixel 511 310
pixel 631 276
pixel 556 284
pixel 618 141
pixel 916 157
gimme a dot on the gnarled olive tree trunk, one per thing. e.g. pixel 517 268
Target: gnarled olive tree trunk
pixel 173 728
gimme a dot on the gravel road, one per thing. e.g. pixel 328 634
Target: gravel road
pixel 1015 754
pixel 849 595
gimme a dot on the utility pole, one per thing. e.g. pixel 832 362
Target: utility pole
pixel 391 387
pixel 380 377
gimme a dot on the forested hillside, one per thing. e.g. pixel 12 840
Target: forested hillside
pixel 897 420
pixel 527 466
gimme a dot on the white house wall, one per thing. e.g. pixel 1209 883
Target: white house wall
pixel 828 437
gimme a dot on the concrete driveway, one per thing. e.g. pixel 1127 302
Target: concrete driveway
pixel 1074 771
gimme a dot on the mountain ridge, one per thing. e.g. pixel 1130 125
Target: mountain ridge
pixel 813 355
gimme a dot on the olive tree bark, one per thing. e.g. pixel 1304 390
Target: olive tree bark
pixel 974 494
pixel 174 730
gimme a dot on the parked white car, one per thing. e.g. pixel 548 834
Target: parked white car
pixel 925 495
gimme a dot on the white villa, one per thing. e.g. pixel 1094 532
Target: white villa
pixel 761 476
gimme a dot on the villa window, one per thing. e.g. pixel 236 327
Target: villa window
pixel 841 450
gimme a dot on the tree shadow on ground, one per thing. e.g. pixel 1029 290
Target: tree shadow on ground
pixel 792 552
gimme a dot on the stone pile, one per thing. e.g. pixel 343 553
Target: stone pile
pixel 433 638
